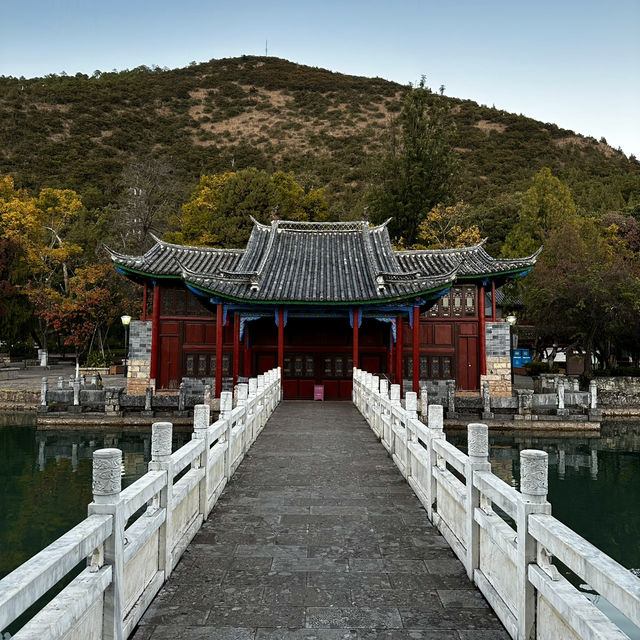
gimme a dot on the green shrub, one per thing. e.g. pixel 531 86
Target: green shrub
pixel 535 368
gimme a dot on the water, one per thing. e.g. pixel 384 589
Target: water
pixel 45 483
pixel 594 488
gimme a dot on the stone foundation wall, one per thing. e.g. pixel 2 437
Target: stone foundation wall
pixel 498 360
pixel 618 392
pixel 139 369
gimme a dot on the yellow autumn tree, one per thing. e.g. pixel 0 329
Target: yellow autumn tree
pixel 448 228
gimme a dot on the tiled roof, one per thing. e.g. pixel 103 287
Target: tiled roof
pixel 316 263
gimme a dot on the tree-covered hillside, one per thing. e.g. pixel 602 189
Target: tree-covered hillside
pixel 81 132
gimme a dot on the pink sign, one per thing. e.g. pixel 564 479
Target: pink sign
pixel 318 392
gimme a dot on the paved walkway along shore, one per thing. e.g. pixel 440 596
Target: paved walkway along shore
pixel 318 536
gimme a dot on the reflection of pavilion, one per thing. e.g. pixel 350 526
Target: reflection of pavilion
pixel 79 446
pixel 317 299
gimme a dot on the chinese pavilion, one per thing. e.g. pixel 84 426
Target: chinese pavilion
pixel 318 299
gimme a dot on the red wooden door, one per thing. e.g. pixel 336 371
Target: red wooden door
pixel 266 361
pixel 467 362
pixel 169 363
pixel 371 364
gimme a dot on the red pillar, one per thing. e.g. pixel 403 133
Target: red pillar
pixel 236 347
pixel 356 336
pixel 144 303
pixel 416 349
pixel 390 355
pixel 219 334
pixel 493 300
pixel 481 326
pixel 155 335
pixel 399 353
pixel 281 339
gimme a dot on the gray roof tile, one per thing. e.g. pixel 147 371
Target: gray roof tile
pixel 304 262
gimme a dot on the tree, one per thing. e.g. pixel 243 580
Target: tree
pixel 547 205
pixel 585 288
pixel 447 228
pixel 420 169
pixel 151 192
pixel 36 229
pixel 218 212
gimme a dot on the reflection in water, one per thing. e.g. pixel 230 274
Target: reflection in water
pixel 45 481
pixel 594 488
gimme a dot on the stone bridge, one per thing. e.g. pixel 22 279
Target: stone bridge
pixel 335 521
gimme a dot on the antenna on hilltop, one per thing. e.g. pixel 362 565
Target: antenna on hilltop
pixel 266 48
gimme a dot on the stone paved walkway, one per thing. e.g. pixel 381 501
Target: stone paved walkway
pixel 318 536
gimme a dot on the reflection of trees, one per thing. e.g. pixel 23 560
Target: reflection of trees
pixel 42 506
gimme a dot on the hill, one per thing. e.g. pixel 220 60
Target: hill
pixel 81 132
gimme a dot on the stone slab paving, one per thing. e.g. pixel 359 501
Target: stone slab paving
pixel 318 536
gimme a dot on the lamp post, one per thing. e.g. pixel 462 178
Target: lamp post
pixel 511 319
pixel 125 322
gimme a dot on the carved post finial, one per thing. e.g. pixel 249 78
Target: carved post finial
pixel 43 392
pixel 384 388
pixel 107 474
pixel 201 418
pixel 593 395
pixel 395 393
pixel 148 396
pixel 161 433
pixel 226 403
pixel 534 474
pixel 411 401
pixel 253 386
pixel 243 393
pixel 435 418
pixel 478 441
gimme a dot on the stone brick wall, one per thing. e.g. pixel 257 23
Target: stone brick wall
pixel 498 359
pixel 138 374
pixel 618 392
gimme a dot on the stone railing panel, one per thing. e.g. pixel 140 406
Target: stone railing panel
pixel 131 553
pixel 508 557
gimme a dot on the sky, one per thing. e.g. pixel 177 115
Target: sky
pixel 575 63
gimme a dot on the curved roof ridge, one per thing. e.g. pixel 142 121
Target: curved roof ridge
pixel 161 242
pixel 267 252
pixel 473 247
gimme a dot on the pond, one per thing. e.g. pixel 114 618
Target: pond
pixel 45 483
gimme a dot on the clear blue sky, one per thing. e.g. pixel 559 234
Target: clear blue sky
pixel 575 63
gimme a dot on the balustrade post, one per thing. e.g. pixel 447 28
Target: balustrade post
pixel 261 402
pixel 375 403
pixel 201 420
pixel 148 400
pixel 435 422
pixel 253 407
pixel 182 397
pixel 60 382
pixel 107 475
pixel 411 409
pixel 534 468
pixel 161 435
pixel 424 404
pixel 451 399
pixel 76 392
pixel 226 408
pixel 593 395
pixel 561 410
pixel 395 405
pixel 384 418
pixel 206 398
pixel 243 397
pixel 43 394
pixel 487 414
pixel 478 460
